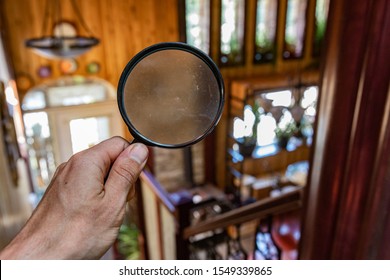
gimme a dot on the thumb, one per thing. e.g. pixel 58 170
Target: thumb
pixel 125 171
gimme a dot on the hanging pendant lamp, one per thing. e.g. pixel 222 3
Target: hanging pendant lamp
pixel 60 44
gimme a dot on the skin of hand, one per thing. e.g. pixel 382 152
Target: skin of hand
pixel 83 207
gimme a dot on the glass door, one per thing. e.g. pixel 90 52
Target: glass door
pixel 82 127
pixel 55 134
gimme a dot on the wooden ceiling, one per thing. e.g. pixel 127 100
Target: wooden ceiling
pixel 123 27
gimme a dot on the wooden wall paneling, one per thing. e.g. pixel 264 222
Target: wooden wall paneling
pixel 90 13
pixel 97 28
pixel 149 26
pixel 166 13
pixel 108 29
pixel 310 31
pixel 123 34
pixel 102 50
pixel 35 17
pixel 250 30
pixel 215 17
pixel 115 38
pixel 131 19
pixel 21 18
pixel 282 10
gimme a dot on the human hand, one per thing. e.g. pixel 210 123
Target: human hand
pixel 81 212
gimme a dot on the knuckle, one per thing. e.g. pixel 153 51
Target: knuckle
pixel 127 172
pixel 59 169
pixel 79 160
pixel 119 140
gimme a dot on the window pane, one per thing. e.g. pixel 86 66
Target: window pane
pixel 266 21
pixel 321 16
pixel 232 32
pixel 198 24
pixel 243 127
pixel 37 125
pixel 294 36
pixel 76 94
pixel 280 98
pixel 34 100
pixel 40 150
pixel 88 132
pixel 266 130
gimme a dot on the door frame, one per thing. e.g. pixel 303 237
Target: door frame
pixel 60 118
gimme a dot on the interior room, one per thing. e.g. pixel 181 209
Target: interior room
pixel 298 165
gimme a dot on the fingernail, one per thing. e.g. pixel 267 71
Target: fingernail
pixel 139 153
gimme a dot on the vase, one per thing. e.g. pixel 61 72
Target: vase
pixel 246 148
pixel 282 142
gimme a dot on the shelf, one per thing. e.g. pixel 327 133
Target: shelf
pixel 264 151
pixel 267 160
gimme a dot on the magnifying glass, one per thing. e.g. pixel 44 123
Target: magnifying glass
pixel 170 95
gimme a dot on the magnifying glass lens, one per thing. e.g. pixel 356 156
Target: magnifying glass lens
pixel 170 97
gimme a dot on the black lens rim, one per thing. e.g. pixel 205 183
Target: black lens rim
pixel 138 137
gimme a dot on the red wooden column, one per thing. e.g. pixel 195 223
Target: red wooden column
pixel 347 207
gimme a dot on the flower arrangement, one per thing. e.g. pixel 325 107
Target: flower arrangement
pixel 287 131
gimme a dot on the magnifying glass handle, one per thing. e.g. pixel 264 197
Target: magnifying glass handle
pixel 135 140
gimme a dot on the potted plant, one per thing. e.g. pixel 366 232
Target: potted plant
pixel 127 242
pixel 284 133
pixel 248 142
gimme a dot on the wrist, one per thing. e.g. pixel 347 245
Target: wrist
pixel 35 242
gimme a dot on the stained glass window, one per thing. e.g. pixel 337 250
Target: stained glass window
pixel 232 32
pixel 321 16
pixel 266 22
pixel 197 19
pixel 294 35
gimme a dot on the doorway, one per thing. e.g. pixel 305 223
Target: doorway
pixel 63 117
